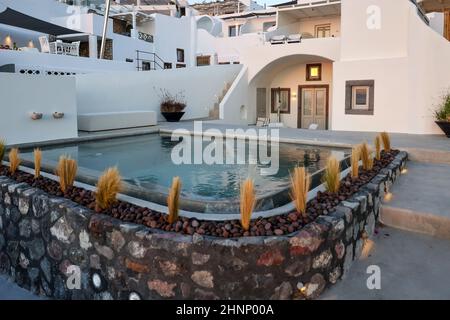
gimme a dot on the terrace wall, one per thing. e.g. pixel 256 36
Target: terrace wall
pixel 22 95
pixel 49 245
pixel 123 91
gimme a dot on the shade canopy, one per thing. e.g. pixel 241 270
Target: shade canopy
pixel 15 18
pixel 435 5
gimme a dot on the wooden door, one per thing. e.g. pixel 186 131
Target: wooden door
pixel 313 106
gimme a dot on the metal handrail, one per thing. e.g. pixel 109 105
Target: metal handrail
pixel 421 12
pixel 156 60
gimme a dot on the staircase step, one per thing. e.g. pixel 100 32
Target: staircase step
pixel 419 200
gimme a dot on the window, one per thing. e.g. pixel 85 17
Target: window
pixel 323 30
pixel 281 98
pixel 167 65
pixel 146 65
pixel 314 72
pixel 234 31
pixel 359 97
pixel 203 60
pixel 180 55
pixel 180 65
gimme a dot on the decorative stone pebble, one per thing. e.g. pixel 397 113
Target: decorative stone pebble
pixel 105 251
pixel 116 240
pixel 136 249
pixel 315 287
pixel 199 259
pixel 298 267
pixel 24 206
pixel 163 288
pixel 283 292
pixel 323 260
pixel 169 268
pixel 339 249
pixel 61 230
pixel 271 258
pixel 203 278
pixel 25 228
pixel 84 240
pixel 334 275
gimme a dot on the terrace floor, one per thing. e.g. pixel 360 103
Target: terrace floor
pixel 346 138
pixel 413 266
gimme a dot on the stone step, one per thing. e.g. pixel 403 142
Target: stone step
pixel 420 200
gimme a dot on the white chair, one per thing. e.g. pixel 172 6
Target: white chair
pixel 262 122
pixel 75 49
pixel 45 46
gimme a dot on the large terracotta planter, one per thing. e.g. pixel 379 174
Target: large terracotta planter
pixel 172 116
pixel 445 126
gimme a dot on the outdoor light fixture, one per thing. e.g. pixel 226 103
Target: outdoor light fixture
pixel 388 196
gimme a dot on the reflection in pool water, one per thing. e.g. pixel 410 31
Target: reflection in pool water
pixel 145 161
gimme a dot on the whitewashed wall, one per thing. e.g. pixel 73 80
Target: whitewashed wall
pixel 53 62
pixel 407 59
pixel 22 95
pixel 235 107
pixel 124 91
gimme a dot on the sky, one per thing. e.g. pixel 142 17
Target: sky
pixel 261 2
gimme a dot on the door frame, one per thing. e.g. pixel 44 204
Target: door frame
pixel 299 102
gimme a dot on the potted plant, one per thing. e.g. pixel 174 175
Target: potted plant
pixel 172 106
pixel 442 114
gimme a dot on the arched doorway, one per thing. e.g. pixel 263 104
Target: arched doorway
pixel 294 91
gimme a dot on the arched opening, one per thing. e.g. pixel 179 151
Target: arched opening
pixel 294 91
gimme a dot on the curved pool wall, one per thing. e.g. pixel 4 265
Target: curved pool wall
pixel 157 194
pixel 56 248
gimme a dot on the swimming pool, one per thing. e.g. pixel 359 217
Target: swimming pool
pixel 145 162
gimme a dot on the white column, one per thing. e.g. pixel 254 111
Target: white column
pixel 93 47
pixel 134 31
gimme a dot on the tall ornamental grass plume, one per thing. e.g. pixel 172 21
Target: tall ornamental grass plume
pixel 370 164
pixel 37 162
pixel 300 181
pixel 173 200
pixel 355 161
pixel 2 149
pixel 332 174
pixel 66 171
pixel 108 186
pixel 248 200
pixel 365 155
pixel 14 160
pixel 378 148
pixel 386 139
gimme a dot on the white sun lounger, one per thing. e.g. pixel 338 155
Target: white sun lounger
pixel 294 38
pixel 115 120
pixel 278 39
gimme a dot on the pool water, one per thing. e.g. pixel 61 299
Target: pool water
pixel 145 161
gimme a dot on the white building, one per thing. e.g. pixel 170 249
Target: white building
pixel 360 65
pixel 357 65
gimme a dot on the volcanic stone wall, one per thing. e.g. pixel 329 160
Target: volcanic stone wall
pixel 56 248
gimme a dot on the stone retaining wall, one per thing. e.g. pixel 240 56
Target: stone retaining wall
pixel 56 248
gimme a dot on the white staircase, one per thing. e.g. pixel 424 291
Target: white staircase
pixel 214 112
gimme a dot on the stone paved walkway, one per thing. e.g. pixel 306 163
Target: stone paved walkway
pixel 400 140
pixel 11 291
pixel 413 266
